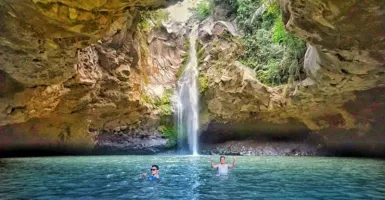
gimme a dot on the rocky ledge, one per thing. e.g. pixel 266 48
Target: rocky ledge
pixel 138 142
pixel 253 148
pixel 70 70
pixel 339 96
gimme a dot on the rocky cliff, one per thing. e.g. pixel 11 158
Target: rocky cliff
pixel 80 73
pixel 72 69
pixel 339 98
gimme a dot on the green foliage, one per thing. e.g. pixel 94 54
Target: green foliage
pixel 203 84
pixel 164 103
pixel 185 59
pixel 145 79
pixel 166 123
pixel 232 3
pixel 147 99
pixel 152 19
pixel 272 6
pixel 201 50
pixel 170 132
pixel 281 36
pixel 244 14
pixel 269 49
pixel 181 69
pixel 203 10
pixel 165 109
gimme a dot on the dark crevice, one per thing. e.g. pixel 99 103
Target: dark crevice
pixel 16 109
pixel 36 86
pixel 344 71
pixel 8 85
pixel 219 133
pixel 341 58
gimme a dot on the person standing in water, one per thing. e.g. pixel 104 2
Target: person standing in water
pixel 222 167
pixel 154 173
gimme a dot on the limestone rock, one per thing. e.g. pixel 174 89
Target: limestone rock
pixel 72 62
pixel 347 41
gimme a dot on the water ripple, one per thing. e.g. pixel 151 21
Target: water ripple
pixel 184 177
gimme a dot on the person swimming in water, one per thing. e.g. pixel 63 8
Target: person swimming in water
pixel 222 168
pixel 154 174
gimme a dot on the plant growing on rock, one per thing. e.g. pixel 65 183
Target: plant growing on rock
pixel 170 132
pixel 203 84
pixel 268 48
pixel 185 59
pixel 203 10
pixel 166 125
pixel 152 19
pixel 164 103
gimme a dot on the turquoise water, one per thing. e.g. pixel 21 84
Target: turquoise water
pixel 184 177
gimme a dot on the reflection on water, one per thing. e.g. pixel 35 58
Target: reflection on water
pixel 188 177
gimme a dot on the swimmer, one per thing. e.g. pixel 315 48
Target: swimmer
pixel 154 173
pixel 223 168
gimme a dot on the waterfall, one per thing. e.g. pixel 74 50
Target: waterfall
pixel 187 105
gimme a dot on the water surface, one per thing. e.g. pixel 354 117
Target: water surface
pixel 186 177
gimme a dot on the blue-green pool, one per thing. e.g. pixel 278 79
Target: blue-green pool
pixel 187 177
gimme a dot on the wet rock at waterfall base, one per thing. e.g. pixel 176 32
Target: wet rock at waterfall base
pixel 258 148
pixel 291 139
pixel 130 143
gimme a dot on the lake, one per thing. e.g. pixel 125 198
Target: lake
pixel 190 177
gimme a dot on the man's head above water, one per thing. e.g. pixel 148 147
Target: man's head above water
pixel 222 160
pixel 154 173
pixel 154 170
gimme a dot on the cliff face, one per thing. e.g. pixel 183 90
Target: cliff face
pixel 80 73
pixel 346 58
pixel 70 69
pixel 347 42
pixel 344 66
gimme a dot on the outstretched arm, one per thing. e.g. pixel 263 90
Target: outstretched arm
pixel 233 165
pixel 144 174
pixel 212 163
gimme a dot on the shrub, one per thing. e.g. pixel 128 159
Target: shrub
pixel 170 132
pixel 152 19
pixel 269 49
pixel 164 103
pixel 203 10
pixel 203 84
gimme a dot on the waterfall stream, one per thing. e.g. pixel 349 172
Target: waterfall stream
pixel 187 104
